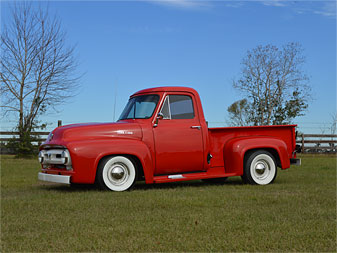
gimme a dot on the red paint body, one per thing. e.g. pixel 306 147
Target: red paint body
pixel 173 147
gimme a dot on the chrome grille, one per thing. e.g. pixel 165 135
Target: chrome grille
pixel 55 157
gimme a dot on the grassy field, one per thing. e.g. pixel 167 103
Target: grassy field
pixel 296 213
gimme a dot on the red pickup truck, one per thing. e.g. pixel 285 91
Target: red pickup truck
pixel 162 136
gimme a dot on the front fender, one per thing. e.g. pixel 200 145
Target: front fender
pixel 86 155
pixel 235 149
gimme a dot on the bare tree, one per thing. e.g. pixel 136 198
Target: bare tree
pixel 274 84
pixel 37 68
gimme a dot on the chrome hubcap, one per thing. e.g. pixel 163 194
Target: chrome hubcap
pixel 260 168
pixel 118 174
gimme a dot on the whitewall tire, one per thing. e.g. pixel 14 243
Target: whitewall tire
pixel 260 168
pixel 117 173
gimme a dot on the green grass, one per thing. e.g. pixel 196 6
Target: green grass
pixel 296 213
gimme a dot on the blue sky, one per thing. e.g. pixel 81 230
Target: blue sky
pixel 125 46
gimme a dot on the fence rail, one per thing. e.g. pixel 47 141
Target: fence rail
pixel 6 136
pixel 14 134
pixel 317 143
pixel 17 133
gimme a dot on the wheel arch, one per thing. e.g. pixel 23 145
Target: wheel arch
pixel 86 156
pixel 137 151
pixel 239 149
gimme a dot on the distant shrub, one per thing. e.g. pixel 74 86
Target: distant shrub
pixel 23 146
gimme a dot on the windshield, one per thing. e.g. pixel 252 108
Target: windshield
pixel 140 107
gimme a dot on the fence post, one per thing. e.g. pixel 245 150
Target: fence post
pixel 59 123
pixel 302 143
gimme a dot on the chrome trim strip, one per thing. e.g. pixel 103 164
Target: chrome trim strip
pixel 52 146
pixel 175 176
pixel 54 178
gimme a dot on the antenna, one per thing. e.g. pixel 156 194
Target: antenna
pixel 114 106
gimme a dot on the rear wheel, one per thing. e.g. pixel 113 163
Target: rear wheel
pixel 117 173
pixel 260 168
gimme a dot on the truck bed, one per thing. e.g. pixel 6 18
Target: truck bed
pixel 219 136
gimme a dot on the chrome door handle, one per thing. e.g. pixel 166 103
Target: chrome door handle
pixel 196 127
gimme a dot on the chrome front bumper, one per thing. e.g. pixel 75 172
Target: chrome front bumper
pixel 54 178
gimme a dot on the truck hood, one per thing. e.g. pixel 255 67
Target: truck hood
pixel 94 131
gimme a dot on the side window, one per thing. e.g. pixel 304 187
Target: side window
pixel 181 107
pixel 178 107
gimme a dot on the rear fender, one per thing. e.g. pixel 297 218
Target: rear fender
pixel 86 156
pixel 235 150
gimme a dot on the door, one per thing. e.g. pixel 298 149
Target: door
pixel 178 137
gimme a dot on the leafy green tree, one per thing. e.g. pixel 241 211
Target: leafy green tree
pixel 239 113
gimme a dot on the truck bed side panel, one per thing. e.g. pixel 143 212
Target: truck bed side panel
pixel 219 137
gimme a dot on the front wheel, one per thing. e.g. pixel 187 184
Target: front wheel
pixel 117 173
pixel 260 168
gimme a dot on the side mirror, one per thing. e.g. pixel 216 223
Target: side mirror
pixel 160 116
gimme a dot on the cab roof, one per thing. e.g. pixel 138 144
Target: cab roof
pixel 166 89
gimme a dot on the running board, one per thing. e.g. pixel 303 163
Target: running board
pixel 211 173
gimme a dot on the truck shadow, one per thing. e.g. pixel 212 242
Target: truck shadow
pixel 68 188
pixel 139 186
pixel 185 184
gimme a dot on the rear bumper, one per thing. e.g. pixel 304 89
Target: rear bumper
pixel 54 178
pixel 295 161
